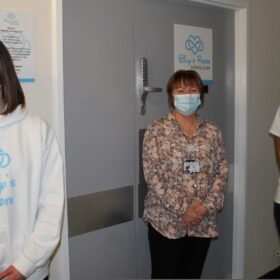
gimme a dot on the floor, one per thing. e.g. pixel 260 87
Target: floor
pixel 273 274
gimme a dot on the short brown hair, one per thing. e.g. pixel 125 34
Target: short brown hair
pixel 12 92
pixel 187 77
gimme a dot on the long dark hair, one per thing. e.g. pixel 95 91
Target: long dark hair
pixel 12 92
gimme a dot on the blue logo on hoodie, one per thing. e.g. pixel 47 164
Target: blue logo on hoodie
pixel 5 160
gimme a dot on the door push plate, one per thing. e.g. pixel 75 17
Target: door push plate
pixel 142 87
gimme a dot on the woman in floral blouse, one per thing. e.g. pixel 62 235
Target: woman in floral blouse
pixel 186 171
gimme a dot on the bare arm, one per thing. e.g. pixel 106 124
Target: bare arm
pixel 277 149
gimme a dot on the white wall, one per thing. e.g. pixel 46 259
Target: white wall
pixel 263 99
pixel 41 96
pixel 264 96
pixel 38 94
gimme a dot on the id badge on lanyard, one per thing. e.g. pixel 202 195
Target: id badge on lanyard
pixel 191 166
pixel 190 163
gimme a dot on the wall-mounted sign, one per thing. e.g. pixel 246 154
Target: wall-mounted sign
pixel 17 33
pixel 193 50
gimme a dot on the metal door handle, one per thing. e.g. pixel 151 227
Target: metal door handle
pixel 142 83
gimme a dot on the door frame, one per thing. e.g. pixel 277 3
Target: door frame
pixel 60 265
pixel 240 9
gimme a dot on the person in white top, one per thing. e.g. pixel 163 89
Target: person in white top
pixel 275 131
pixel 31 184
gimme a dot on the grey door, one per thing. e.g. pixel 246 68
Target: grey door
pixel 154 40
pixel 99 128
pixel 103 127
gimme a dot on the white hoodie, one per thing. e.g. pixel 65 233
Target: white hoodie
pixel 31 194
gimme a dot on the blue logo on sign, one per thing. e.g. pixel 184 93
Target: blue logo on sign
pixel 11 16
pixel 11 19
pixel 5 159
pixel 194 44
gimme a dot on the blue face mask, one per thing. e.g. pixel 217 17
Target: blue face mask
pixel 187 104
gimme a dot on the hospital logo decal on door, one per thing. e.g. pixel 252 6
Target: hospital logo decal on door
pixel 7 184
pixel 194 44
pixel 193 50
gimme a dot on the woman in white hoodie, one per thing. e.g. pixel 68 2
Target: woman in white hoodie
pixel 31 184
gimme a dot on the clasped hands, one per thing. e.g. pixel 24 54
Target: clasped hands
pixel 194 214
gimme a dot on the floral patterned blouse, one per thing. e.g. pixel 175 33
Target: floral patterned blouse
pixel 178 170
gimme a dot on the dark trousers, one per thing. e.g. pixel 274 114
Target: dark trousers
pixel 277 216
pixel 181 258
